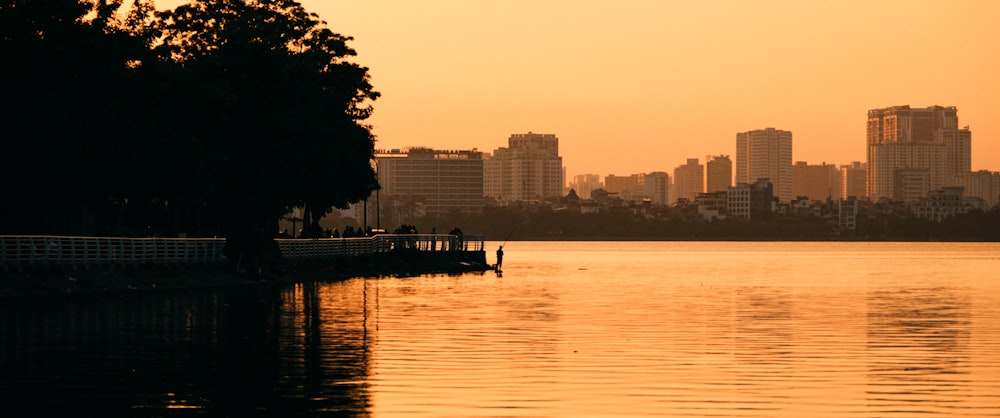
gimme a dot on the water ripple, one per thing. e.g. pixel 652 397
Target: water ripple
pixel 571 329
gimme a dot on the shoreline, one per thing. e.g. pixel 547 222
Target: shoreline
pixel 51 280
pixel 736 239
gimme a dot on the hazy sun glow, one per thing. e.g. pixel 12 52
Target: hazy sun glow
pixel 641 85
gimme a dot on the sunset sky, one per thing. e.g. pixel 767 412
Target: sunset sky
pixel 638 86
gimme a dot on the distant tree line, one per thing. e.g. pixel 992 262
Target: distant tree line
pixel 214 118
pixel 525 222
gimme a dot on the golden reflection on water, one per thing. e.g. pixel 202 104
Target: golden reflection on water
pixel 918 339
pixel 689 329
pixel 571 329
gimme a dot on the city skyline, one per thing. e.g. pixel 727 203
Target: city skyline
pixel 665 81
pixel 203 219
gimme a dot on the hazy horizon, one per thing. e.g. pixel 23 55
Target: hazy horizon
pixel 640 86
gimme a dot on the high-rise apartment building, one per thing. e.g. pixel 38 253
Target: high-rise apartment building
pixel 900 138
pixel 817 182
pixel 689 180
pixel 765 154
pixel 852 180
pixel 718 173
pixel 443 181
pixel 529 168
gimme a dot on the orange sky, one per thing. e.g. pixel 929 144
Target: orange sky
pixel 634 86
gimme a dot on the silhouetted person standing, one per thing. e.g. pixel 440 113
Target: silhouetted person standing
pixel 499 257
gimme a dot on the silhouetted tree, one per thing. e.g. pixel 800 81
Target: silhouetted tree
pixel 285 127
pixel 216 117
pixel 64 90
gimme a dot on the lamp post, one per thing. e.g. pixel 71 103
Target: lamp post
pixel 378 206
pixel 295 219
pixel 378 203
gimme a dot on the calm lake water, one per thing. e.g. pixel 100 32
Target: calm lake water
pixel 571 329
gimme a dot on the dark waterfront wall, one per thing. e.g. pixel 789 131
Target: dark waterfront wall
pixel 81 265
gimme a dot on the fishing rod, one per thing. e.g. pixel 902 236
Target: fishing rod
pixel 508 236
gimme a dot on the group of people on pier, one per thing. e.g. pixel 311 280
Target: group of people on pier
pixel 352 232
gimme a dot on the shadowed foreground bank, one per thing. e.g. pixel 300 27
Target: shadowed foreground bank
pixel 56 280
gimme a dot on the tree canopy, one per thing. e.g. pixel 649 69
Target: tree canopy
pixel 215 118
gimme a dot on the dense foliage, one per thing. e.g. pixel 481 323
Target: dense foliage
pixel 214 118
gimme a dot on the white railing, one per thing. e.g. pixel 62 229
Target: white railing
pixel 26 250
pixel 331 247
pixel 18 250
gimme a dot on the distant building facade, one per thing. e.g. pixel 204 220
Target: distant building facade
pixel 750 201
pixel 903 138
pixel 852 180
pixel 656 187
pixel 910 184
pixel 622 184
pixel 985 185
pixel 583 184
pixel 847 213
pixel 766 154
pixel 529 168
pixel 718 173
pixel 713 205
pixel 442 181
pixel 817 182
pixel 946 202
pixel 689 180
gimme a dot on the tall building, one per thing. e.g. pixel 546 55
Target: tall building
pixel 852 180
pixel 689 180
pixel 442 181
pixel 718 173
pixel 766 154
pixel 817 182
pixel 529 168
pixel 928 139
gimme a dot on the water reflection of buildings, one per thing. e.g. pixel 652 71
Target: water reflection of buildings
pixel 918 343
pixel 764 347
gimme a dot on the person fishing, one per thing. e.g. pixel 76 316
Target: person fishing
pixel 499 257
pixel 500 251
